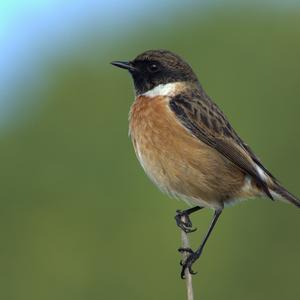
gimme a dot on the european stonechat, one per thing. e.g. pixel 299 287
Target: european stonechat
pixel 186 145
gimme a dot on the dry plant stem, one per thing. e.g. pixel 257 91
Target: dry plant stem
pixel 188 277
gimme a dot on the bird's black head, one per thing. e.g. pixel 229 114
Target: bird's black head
pixel 155 67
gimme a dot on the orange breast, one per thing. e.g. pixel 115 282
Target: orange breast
pixel 177 162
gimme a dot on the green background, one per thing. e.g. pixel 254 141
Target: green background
pixel 79 218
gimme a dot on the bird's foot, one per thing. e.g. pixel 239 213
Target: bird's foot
pixel 186 225
pixel 188 261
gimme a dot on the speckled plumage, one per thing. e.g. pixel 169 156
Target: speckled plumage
pixel 186 145
pixel 177 162
pixel 227 166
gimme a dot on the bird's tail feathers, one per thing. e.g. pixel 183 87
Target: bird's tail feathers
pixel 280 193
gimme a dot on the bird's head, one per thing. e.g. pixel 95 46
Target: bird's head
pixel 157 67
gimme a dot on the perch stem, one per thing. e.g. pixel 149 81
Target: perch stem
pixel 188 277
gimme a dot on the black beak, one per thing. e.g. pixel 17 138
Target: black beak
pixel 124 65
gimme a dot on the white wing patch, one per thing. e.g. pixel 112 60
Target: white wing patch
pixel 261 173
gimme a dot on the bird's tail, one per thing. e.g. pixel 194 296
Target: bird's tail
pixel 279 192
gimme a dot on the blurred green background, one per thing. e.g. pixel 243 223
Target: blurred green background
pixel 79 219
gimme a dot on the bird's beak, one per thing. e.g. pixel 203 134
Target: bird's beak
pixel 124 65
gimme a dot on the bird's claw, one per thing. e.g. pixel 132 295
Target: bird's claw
pixel 186 225
pixel 188 262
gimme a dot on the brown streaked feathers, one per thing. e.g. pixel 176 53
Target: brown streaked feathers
pixel 205 120
pixel 184 141
pixel 186 145
pixel 178 162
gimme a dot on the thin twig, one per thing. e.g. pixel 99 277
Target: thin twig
pixel 188 277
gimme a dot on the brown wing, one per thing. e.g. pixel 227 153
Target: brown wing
pixel 205 120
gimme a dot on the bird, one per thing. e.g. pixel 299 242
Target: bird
pixel 186 145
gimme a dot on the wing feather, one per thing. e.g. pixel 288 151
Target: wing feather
pixel 206 121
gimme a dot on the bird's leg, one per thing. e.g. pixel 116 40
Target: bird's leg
pixel 194 255
pixel 187 225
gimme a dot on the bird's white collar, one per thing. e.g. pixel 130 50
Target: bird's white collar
pixel 167 89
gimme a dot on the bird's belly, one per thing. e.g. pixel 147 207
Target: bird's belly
pixel 177 162
pixel 173 175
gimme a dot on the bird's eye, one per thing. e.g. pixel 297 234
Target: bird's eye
pixel 153 68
